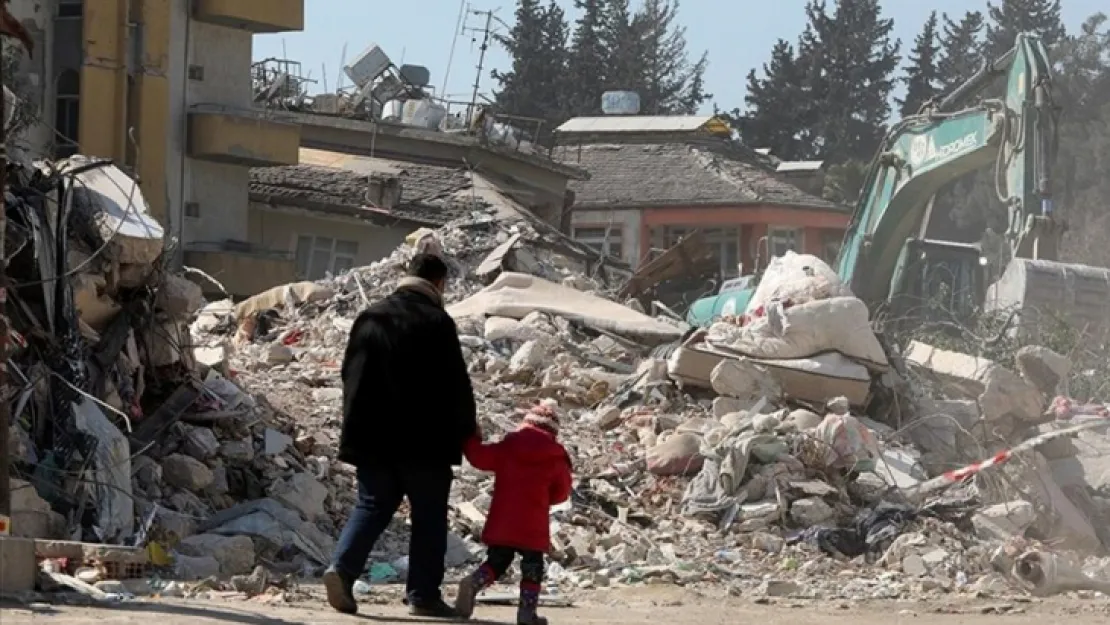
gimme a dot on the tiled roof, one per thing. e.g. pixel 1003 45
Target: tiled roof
pixel 427 192
pixel 706 172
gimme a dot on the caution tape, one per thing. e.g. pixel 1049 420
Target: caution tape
pixel 958 475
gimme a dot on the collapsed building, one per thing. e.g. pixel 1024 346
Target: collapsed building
pixel 195 440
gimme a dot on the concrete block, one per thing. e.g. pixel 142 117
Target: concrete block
pixel 18 568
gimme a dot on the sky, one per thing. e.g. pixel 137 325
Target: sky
pixel 738 36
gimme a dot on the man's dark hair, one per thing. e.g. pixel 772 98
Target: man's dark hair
pixel 429 267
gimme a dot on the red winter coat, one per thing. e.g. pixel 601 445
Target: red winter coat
pixel 531 474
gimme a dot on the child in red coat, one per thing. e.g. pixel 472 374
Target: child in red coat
pixel 531 473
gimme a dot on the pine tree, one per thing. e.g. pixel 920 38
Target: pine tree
pixel 587 62
pixel 623 40
pixel 667 73
pixel 921 76
pixel 537 46
pixel 961 49
pixel 1010 17
pixel 647 54
pixel 849 59
pixel 775 105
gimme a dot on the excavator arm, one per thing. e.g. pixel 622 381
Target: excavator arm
pixel 947 140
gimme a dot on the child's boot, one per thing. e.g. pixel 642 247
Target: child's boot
pixel 469 588
pixel 529 603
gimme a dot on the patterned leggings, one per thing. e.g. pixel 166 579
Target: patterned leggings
pixel 498 560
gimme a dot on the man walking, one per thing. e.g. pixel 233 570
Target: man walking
pixel 408 407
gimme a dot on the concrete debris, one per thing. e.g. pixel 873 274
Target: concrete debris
pixel 757 451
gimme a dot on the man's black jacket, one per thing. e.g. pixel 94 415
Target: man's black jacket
pixel 407 398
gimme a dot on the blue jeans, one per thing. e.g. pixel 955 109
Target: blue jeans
pixel 380 491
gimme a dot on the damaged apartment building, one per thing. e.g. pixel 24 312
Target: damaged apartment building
pixel 163 89
pixel 168 91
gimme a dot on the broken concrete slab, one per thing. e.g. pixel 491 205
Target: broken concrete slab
pixel 112 201
pixel 19 569
pixel 1000 392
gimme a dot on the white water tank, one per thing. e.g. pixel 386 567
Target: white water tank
pixel 394 109
pixel 423 113
pixel 620 103
pixel 367 66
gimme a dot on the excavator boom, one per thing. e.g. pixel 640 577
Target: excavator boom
pixel 885 257
pixel 946 140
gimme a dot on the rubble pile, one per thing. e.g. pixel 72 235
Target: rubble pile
pixel 204 434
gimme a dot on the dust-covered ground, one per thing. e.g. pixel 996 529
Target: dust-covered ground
pixel 628 606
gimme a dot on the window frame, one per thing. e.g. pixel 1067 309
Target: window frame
pixel 792 235
pixel 605 239
pixel 306 246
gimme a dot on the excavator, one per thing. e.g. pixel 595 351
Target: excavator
pixel 885 257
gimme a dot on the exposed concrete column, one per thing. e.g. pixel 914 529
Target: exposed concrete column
pixel 104 80
pixel 154 120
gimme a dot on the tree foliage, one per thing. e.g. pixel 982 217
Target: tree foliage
pixel 612 48
pixel 961 49
pixel 535 86
pixel 922 77
pixel 774 119
pixel 1010 17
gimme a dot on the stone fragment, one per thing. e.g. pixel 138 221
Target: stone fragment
pixel 235 554
pixel 302 493
pixel 186 472
pixel 32 516
pixel 146 471
pixel 1004 521
pixel 279 354
pixel 201 443
pixel 914 566
pixel 725 405
pixel 778 588
pixel 1042 367
pixel 274 442
pixel 327 394
pixel 811 511
pixel 238 451
pixel 531 356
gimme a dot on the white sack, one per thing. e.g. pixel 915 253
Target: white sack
pixel 839 324
pixel 799 278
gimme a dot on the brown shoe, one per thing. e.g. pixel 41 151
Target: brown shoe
pixel 340 591
pixel 464 600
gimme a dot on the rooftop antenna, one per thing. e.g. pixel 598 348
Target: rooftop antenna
pixel 463 6
pixel 342 63
pixel 486 31
pixel 324 75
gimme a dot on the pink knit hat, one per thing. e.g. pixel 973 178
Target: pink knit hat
pixel 544 414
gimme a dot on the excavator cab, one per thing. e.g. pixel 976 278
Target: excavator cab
pixel 936 281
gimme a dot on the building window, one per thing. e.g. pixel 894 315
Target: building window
pixel 604 240
pixel 319 256
pixel 70 8
pixel 192 210
pixel 67 112
pixel 830 245
pixel 782 240
pixel 726 243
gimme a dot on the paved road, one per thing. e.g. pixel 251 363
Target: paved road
pixel 650 607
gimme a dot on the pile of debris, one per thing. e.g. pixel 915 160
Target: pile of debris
pixel 203 435
pixel 750 433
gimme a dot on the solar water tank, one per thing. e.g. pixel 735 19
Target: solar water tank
pixel 620 103
pixel 367 66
